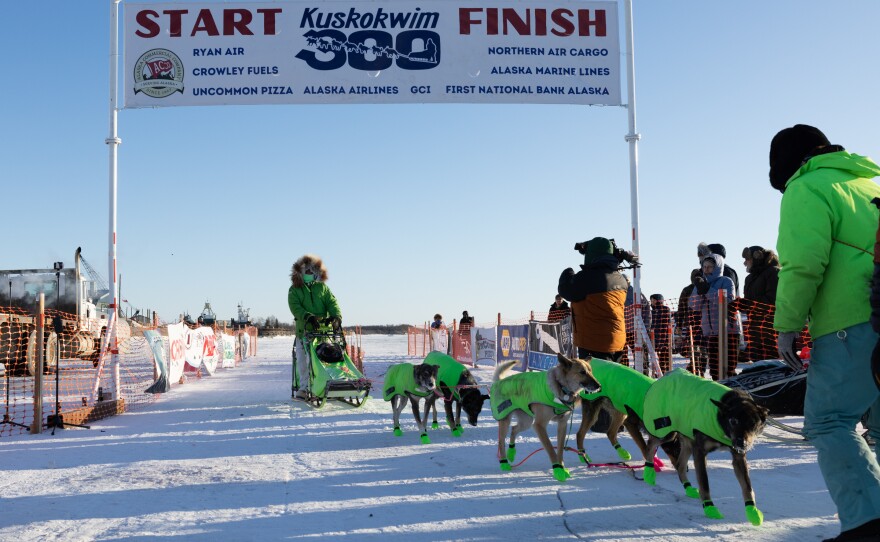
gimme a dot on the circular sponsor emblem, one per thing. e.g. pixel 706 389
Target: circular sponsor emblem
pixel 158 73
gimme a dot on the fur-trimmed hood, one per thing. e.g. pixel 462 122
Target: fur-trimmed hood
pixel 761 258
pixel 308 264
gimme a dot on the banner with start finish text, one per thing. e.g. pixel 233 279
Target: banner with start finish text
pixel 237 53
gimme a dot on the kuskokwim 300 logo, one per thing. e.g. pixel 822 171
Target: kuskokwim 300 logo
pixel 370 47
pixel 158 73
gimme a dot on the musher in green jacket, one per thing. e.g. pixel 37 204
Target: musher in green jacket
pixel 311 302
pixel 827 228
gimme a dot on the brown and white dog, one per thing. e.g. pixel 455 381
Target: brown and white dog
pixel 703 416
pixel 536 398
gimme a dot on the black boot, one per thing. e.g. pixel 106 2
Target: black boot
pixel 868 532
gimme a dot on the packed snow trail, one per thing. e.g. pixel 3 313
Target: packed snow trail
pixel 231 457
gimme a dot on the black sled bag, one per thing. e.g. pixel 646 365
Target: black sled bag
pixel 774 385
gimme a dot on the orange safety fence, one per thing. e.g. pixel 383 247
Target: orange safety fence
pixel 75 387
pixel 353 348
pixel 684 330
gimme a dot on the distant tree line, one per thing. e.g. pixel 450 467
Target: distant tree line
pixel 272 326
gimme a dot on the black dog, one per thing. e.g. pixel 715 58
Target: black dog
pixel 705 416
pixel 458 386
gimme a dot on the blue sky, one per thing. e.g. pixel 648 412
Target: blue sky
pixel 418 209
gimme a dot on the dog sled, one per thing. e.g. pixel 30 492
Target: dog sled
pixel 774 385
pixel 332 373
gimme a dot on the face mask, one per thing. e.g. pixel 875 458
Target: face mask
pixel 307 278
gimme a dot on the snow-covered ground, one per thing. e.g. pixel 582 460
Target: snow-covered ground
pixel 230 457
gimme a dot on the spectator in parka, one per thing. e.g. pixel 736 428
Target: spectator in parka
pixel 597 294
pixel 466 320
pixel 703 250
pixel 688 322
pixel 704 299
pixel 559 310
pixel 759 300
pixel 438 322
pixel 660 321
pixel 827 230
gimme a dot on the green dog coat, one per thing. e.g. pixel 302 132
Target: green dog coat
pixel 449 373
pixel 521 390
pixel 399 381
pixel 680 401
pixel 623 386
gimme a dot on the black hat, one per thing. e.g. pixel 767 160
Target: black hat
pixel 789 149
pixel 657 297
pixel 718 249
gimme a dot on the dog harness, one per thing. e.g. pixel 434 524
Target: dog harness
pixel 623 386
pixel 399 380
pixel 450 371
pixel 521 390
pixel 681 402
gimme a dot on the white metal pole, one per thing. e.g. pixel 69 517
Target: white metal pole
pixel 633 137
pixel 113 143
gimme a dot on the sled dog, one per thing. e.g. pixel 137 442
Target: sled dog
pixel 536 398
pixel 458 386
pixel 407 382
pixel 622 397
pixel 705 416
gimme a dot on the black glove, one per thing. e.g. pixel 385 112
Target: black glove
pixel 701 285
pixel 312 321
pixel 785 342
pixel 334 322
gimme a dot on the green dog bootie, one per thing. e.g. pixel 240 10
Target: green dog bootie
pixel 650 474
pixel 691 491
pixel 425 439
pixel 398 432
pixel 756 517
pixel 710 511
pixel 456 432
pixel 435 425
pixel 511 452
pixel 460 429
pixel 505 465
pixel 622 453
pixel 560 472
pixel 584 456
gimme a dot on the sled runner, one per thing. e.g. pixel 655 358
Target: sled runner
pixel 332 373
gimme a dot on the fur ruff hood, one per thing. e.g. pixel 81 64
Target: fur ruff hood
pixel 308 264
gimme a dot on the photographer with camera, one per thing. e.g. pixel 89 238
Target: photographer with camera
pixel 597 294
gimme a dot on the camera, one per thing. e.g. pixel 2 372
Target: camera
pixel 619 253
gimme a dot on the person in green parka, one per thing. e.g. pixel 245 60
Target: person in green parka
pixel 827 227
pixel 312 303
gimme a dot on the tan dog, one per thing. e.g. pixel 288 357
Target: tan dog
pixel 536 398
